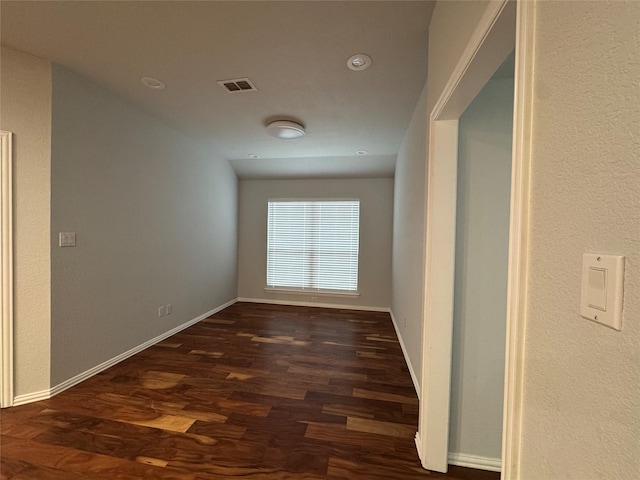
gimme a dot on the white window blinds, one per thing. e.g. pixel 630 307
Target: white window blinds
pixel 313 245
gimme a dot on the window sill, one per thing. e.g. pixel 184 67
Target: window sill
pixel 320 293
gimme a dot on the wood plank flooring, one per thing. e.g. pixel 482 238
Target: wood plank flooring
pixel 255 391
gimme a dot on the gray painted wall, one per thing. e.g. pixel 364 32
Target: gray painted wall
pixel 408 236
pixel 482 244
pixel 452 24
pixel 376 211
pixel 155 218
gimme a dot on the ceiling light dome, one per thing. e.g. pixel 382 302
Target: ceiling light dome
pixel 285 129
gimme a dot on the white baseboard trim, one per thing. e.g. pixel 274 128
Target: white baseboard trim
pixel 414 377
pixel 31 397
pixel 61 387
pixel 474 461
pixel 418 441
pixel 313 304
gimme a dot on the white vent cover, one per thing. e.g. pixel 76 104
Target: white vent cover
pixel 238 85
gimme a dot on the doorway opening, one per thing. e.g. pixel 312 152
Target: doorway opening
pixel 505 25
pixel 480 290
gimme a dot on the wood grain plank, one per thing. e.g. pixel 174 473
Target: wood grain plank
pixel 387 397
pixel 382 428
pixel 164 422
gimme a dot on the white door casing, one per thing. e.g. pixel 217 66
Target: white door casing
pixel 518 239
pixel 6 275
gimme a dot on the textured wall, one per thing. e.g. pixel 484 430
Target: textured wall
pixel 376 210
pixel 482 245
pixel 408 235
pixel 582 380
pixel 156 224
pixel 25 95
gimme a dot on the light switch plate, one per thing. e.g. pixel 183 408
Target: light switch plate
pixel 602 289
pixel 67 239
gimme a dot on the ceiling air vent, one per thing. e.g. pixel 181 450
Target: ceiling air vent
pixel 238 85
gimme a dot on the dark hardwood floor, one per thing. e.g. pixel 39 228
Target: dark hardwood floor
pixel 256 391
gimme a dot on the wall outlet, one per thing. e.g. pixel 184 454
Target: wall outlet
pixel 67 239
pixel 405 322
pixel 162 311
pixel 169 309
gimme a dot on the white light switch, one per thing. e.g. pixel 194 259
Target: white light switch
pixel 67 239
pixel 602 288
pixel 597 289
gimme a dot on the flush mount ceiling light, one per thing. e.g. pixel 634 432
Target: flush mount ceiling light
pixel 285 129
pixel 253 155
pixel 359 61
pixel 362 152
pixel 152 83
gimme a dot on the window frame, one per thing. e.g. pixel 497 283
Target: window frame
pixel 311 290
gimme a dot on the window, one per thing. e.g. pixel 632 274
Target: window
pixel 313 245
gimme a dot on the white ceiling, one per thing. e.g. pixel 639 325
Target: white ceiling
pixel 295 52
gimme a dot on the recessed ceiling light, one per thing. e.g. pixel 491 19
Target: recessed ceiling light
pixel 359 61
pixel 285 129
pixel 362 152
pixel 152 83
pixel 253 155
